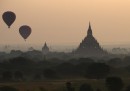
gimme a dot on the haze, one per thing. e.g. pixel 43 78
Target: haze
pixel 65 22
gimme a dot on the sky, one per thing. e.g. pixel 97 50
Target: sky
pixel 65 22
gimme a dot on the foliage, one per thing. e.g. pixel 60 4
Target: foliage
pixel 7 88
pixel 69 86
pixel 49 73
pixel 7 76
pixel 86 87
pixel 97 71
pixel 127 88
pixel 18 75
pixel 114 83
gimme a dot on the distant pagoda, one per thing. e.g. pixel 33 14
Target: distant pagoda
pixel 45 49
pixel 90 46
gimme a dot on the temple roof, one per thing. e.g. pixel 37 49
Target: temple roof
pixel 45 46
pixel 89 32
pixel 89 46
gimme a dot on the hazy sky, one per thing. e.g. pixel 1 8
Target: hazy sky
pixel 65 22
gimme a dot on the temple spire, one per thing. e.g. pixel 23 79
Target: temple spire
pixel 89 25
pixel 45 49
pixel 89 30
pixel 45 44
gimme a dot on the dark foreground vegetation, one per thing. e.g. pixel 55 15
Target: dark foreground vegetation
pixel 107 84
pixel 83 74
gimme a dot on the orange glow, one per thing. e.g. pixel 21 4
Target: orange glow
pixel 66 21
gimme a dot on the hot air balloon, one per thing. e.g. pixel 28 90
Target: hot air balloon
pixel 25 31
pixel 9 17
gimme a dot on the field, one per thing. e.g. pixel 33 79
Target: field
pixel 59 85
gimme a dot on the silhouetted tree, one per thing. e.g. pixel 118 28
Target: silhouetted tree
pixel 114 83
pixel 81 68
pixel 49 73
pixel 69 86
pixel 7 76
pixel 20 61
pixel 86 87
pixel 66 68
pixel 7 88
pixel 37 77
pixel 18 75
pixel 126 60
pixel 86 60
pixel 42 89
pixel 97 71
pixel 115 62
pixel 127 88
pixel 98 89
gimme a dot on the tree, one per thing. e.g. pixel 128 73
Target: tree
pixel 7 76
pixel 127 88
pixel 86 60
pixel 97 71
pixel 37 76
pixel 49 73
pixel 115 62
pixel 98 89
pixel 69 86
pixel 42 89
pixel 7 88
pixel 81 68
pixel 21 61
pixel 85 87
pixel 18 75
pixel 126 61
pixel 114 83
pixel 66 69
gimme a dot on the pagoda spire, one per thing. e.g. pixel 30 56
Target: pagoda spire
pixel 89 30
pixel 45 49
pixel 89 25
pixel 45 44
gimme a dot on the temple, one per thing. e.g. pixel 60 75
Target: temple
pixel 45 49
pixel 90 46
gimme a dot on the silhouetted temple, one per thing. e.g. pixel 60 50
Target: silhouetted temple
pixel 90 46
pixel 45 49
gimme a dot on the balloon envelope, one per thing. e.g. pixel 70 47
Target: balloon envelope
pixel 9 17
pixel 25 31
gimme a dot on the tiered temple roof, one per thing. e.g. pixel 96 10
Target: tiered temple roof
pixel 90 46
